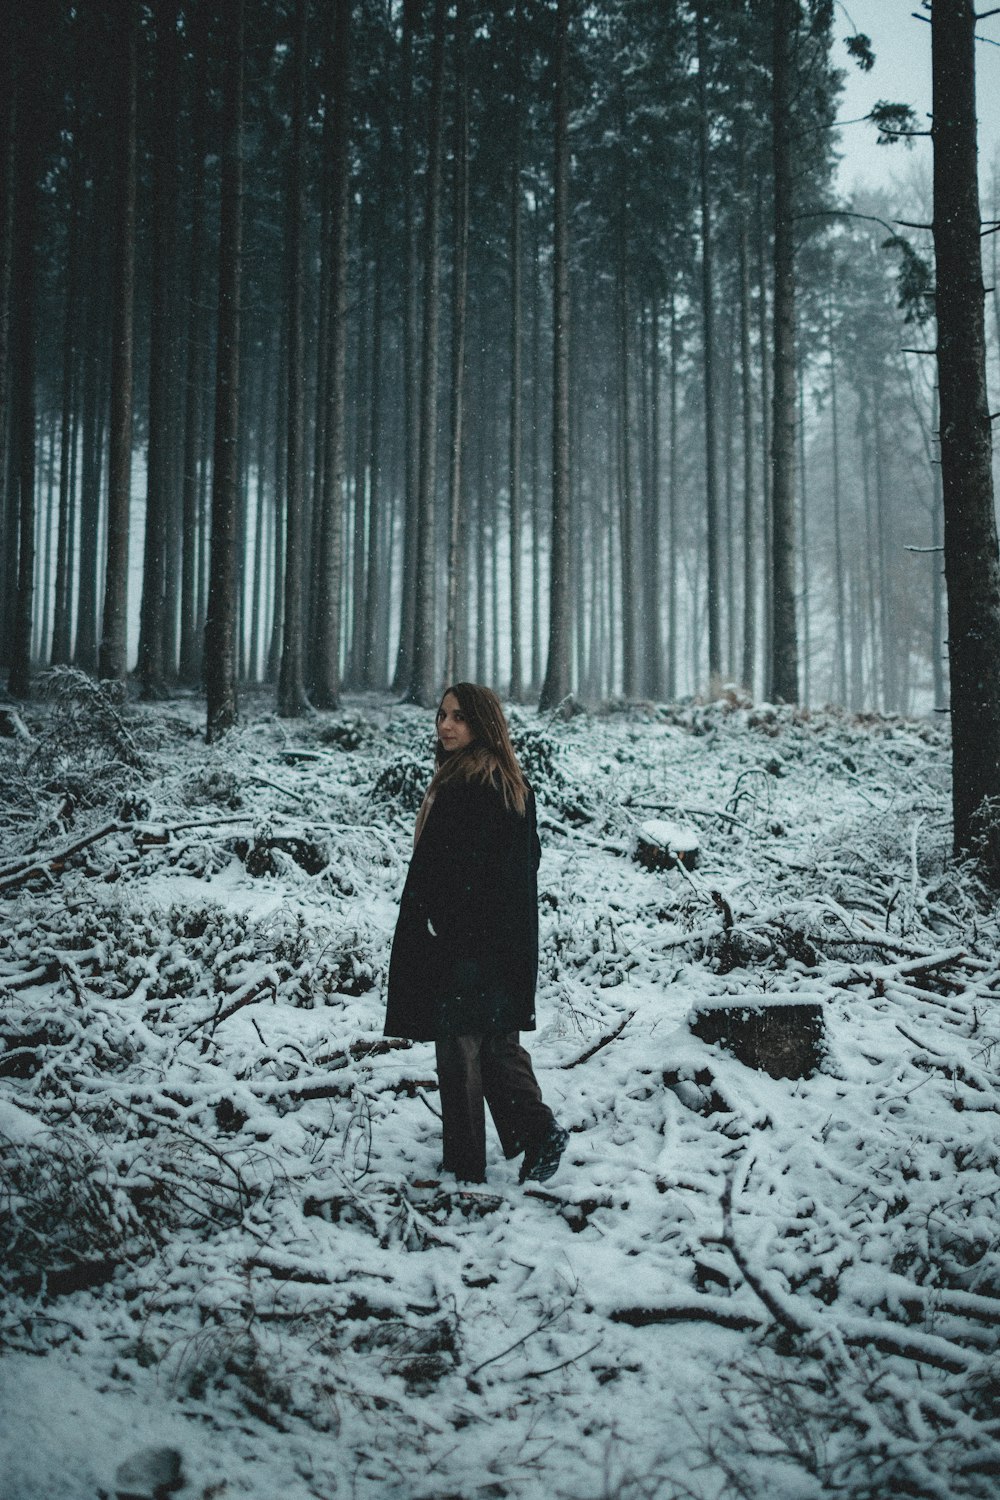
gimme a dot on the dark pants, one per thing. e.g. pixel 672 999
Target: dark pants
pixel 496 1069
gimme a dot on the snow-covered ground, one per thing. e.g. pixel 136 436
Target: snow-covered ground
pixel 224 1231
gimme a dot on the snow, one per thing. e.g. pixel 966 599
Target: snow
pixel 672 836
pixel 735 1284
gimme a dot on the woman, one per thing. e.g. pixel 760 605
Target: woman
pixel 465 954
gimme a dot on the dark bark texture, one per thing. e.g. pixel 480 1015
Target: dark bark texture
pixel 972 569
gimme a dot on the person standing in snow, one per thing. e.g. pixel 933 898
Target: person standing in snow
pixel 465 953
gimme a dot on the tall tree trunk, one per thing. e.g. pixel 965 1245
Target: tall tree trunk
pixel 537 516
pixel 749 445
pixel 653 651
pixel 153 665
pixel 61 624
pixel 372 664
pixel 22 425
pixel 220 625
pixel 887 634
pixel 767 478
pixel 626 486
pixel 191 641
pixel 92 423
pixel 403 674
pixel 327 678
pixel 362 411
pixel 937 576
pixel 708 369
pixel 291 688
pixel 460 258
pixel 840 608
pixel 113 656
pixel 972 566
pixel 784 642
pixel 10 106
pixel 804 535
pixel 514 434
pixel 672 506
pixel 557 677
pixel 423 681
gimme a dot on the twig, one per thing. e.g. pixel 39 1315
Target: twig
pixel 545 1323
pixel 605 1041
pixel 537 1374
pixel 284 790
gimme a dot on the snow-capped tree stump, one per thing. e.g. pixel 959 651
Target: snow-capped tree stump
pixel 662 846
pixel 151 1474
pixel 776 1036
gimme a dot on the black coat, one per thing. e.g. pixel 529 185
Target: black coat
pixel 465 954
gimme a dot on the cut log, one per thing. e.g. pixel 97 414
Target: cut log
pixel 662 846
pixel 783 1037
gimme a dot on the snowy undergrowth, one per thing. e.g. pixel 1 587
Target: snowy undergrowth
pixel 222 1218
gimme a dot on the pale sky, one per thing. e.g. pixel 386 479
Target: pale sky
pixel 902 75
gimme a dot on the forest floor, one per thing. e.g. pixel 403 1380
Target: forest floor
pixel 224 1232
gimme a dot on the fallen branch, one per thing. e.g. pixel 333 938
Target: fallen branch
pixel 17 874
pixel 701 1309
pixel 52 864
pixel 605 1041
pixel 865 1332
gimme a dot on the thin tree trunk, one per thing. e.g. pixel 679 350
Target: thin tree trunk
pixel 61 642
pixel 460 258
pixel 422 684
pixel 654 529
pixel 372 666
pixel 403 675
pixel 557 675
pixel 10 105
pixel 672 468
pixel 887 634
pixel 85 653
pixel 24 278
pixel 291 689
pixel 749 453
pixel 708 368
pixel 220 625
pixel 113 658
pixel 191 640
pixel 328 623
pixel 784 643
pixel 840 623
pixel 767 478
pixel 536 456
pixel 626 487
pixel 804 538
pixel 153 631
pixel 514 449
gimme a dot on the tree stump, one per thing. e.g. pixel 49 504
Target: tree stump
pixel 783 1037
pixel 662 846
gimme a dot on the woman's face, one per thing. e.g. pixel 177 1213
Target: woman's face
pixel 452 727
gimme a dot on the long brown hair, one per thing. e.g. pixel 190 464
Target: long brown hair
pixel 490 756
